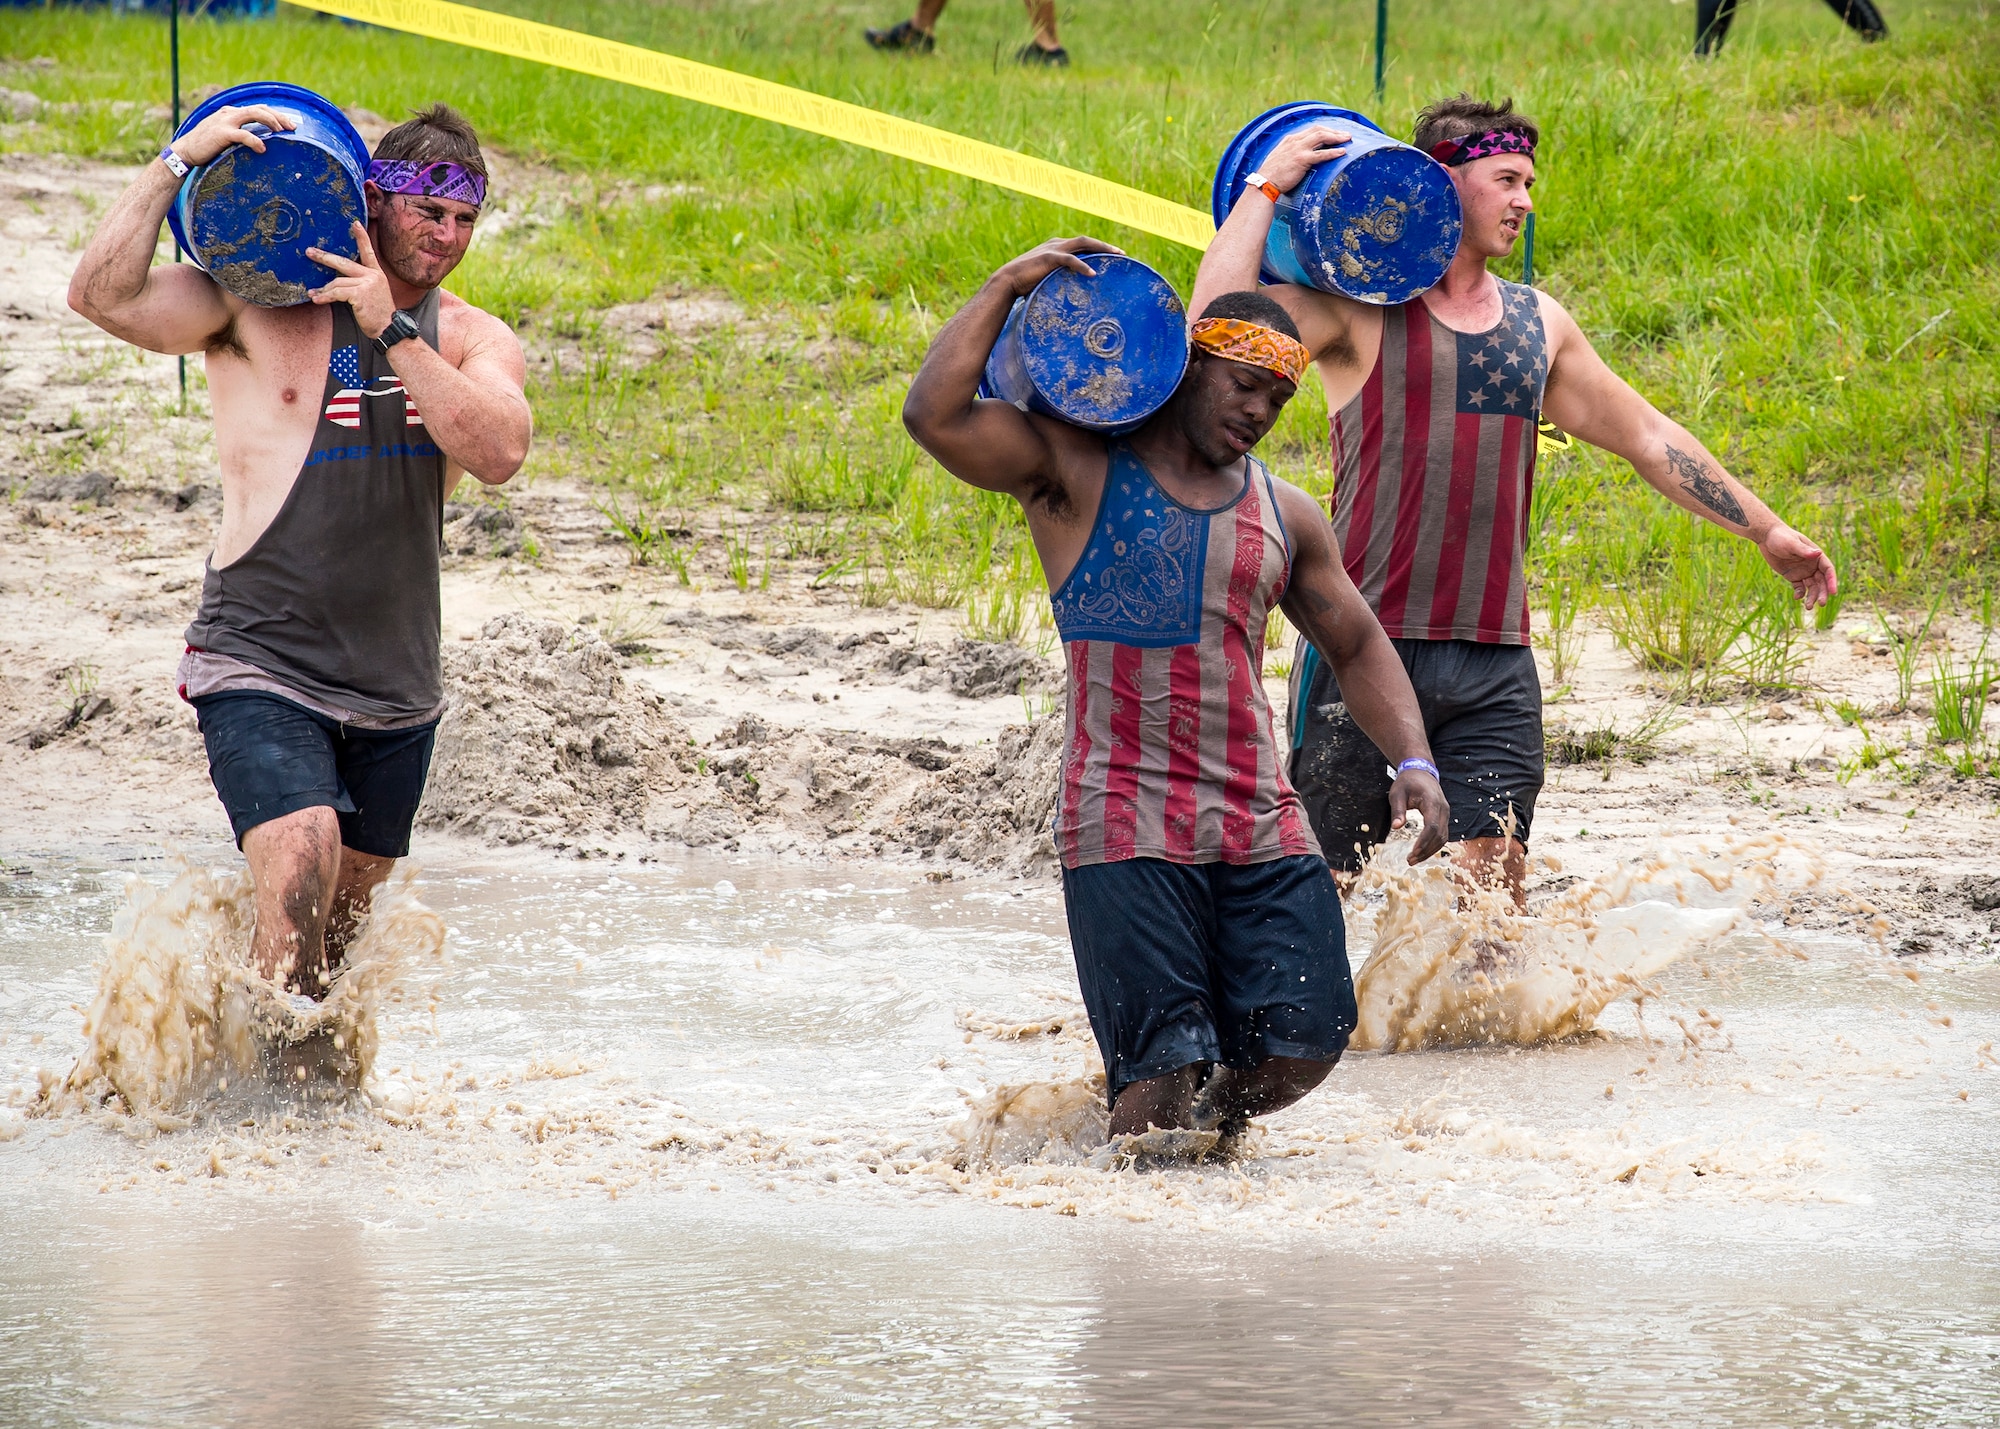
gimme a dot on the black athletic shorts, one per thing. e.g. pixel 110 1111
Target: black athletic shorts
pixel 1209 962
pixel 1482 708
pixel 269 757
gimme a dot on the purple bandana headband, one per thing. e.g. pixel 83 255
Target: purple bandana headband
pixel 1453 152
pixel 435 178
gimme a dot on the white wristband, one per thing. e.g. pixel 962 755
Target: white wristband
pixel 174 162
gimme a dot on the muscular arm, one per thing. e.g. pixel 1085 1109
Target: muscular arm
pixel 476 411
pixel 1587 399
pixel 1236 253
pixel 174 308
pixel 1323 603
pixel 988 444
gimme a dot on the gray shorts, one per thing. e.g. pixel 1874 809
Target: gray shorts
pixel 1482 709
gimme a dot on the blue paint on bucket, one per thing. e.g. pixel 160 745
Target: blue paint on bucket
pixel 248 218
pixel 1102 353
pixel 1380 224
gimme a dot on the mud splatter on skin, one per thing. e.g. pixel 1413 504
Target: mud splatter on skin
pixel 179 1011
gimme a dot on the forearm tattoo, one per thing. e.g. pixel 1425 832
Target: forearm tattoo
pixel 1700 483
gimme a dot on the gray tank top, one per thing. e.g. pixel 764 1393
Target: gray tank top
pixel 339 596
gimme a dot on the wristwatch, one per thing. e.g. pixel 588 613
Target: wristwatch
pixel 402 327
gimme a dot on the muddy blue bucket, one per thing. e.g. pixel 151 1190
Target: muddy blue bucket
pixel 248 218
pixel 1102 353
pixel 1380 224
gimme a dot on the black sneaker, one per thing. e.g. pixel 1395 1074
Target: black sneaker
pixel 1032 54
pixel 905 36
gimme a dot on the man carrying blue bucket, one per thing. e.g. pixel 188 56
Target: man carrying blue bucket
pixel 1205 925
pixel 1435 402
pixel 341 425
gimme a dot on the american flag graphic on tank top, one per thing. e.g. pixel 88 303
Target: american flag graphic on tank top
pixel 1435 462
pixel 1168 750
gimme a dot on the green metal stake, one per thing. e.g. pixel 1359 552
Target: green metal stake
pixel 174 60
pixel 1381 43
pixel 1528 251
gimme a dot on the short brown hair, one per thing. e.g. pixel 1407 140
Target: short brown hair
pixel 428 135
pixel 1461 115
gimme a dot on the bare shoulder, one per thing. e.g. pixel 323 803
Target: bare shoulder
pixel 286 336
pixel 1079 462
pixel 1303 515
pixel 1557 323
pixel 465 330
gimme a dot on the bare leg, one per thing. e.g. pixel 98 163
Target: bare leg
pixel 294 863
pixel 360 875
pixel 1042 15
pixel 927 14
pixel 1161 1101
pixel 311 892
pixel 1497 863
pixel 1231 1097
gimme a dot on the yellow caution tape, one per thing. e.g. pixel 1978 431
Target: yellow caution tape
pixel 798 108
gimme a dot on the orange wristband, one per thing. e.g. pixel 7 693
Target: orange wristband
pixel 1258 181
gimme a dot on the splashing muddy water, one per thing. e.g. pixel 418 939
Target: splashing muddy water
pixel 1450 966
pixel 179 1011
pixel 694 1146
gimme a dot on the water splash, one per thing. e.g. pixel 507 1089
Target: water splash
pixel 179 1011
pixel 1055 1123
pixel 1454 967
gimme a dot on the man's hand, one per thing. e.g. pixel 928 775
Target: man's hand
pixel 1301 151
pixel 1802 563
pixel 226 126
pixel 1415 787
pixel 1037 263
pixel 362 284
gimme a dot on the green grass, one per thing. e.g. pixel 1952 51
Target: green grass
pixel 1787 247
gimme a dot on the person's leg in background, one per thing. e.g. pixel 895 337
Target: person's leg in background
pixel 917 34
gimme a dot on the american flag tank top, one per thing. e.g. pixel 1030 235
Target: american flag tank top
pixel 1435 463
pixel 1168 750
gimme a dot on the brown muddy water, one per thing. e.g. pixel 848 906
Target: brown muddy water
pixel 746 1142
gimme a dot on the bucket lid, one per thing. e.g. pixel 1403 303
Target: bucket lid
pixel 1105 351
pixel 1234 166
pixel 289 96
pixel 327 130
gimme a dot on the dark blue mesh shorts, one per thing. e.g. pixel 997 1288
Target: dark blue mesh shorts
pixel 1209 962
pixel 1482 709
pixel 269 757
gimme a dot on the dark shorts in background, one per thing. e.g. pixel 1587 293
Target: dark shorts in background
pixel 269 757
pixel 1209 962
pixel 1482 709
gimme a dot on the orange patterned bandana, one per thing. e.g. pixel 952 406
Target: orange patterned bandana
pixel 1241 341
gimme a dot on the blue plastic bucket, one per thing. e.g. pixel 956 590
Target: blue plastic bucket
pixel 248 218
pixel 1380 224
pixel 1102 353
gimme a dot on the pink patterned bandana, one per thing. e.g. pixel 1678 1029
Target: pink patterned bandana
pixel 435 178
pixel 1453 152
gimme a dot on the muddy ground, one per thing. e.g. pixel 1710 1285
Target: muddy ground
pixel 603 709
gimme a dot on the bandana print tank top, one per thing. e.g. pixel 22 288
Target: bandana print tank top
pixel 1168 748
